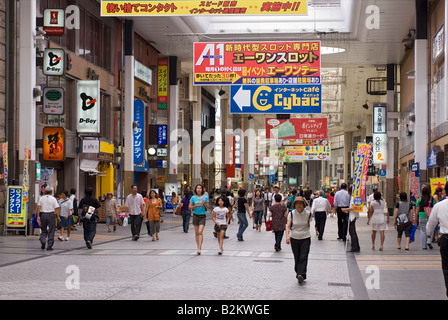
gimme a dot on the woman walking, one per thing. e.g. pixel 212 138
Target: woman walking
pixel 154 206
pixel 110 210
pixel 403 220
pixel 299 236
pixel 186 213
pixel 278 212
pixel 66 215
pixel 258 209
pixel 242 218
pixel 175 201
pixel 378 218
pixel 199 205
pixel 422 219
pixel 221 217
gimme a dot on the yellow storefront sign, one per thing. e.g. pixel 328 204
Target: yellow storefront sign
pixel 202 8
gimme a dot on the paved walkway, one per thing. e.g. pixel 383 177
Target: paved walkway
pixel 169 269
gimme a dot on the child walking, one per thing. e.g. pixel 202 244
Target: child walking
pixel 221 217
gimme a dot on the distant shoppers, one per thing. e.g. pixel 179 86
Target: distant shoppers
pixel 378 218
pixel 320 208
pixel 258 209
pixel 199 205
pixel 402 219
pixel 342 200
pixel 279 213
pixel 88 211
pixel 48 211
pixel 424 201
pixel 136 207
pixel 154 206
pixel 241 213
pixel 75 201
pixel 298 235
pixel 186 212
pixel 66 215
pixel 221 217
pixel 110 210
pixel 175 201
pixel 439 215
pixel 352 217
pixel 267 196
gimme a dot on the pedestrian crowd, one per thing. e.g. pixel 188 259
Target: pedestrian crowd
pixel 291 215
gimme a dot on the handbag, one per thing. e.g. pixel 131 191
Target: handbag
pixel 178 211
pixel 412 233
pixel 428 209
pixel 269 225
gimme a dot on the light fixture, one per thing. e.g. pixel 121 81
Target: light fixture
pixel 366 106
pixel 331 50
pixel 152 151
pixel 221 93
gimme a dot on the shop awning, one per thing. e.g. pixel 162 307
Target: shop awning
pixel 89 166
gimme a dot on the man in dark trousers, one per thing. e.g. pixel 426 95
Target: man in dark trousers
pixel 88 212
pixel 342 200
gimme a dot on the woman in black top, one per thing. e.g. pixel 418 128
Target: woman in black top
pixel 242 218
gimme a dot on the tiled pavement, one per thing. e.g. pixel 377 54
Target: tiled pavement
pixel 169 269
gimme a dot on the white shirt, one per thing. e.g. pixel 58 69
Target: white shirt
pixel 273 198
pixel 320 204
pixel 300 224
pixel 221 215
pixel 439 214
pixel 134 203
pixel 48 203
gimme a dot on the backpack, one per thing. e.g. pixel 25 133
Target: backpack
pixel 403 218
pixel 89 212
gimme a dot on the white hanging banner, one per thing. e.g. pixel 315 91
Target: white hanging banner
pixel 88 106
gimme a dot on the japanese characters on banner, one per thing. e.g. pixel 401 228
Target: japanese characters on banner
pixel 230 155
pixel 257 63
pixel 139 119
pixel 360 176
pixel 54 144
pixel 88 106
pixel 414 183
pixel 437 183
pixel 15 208
pixel 301 129
pixel 379 134
pixel 132 8
pixel 26 175
pixel 300 153
pixel 162 85
pixel 5 163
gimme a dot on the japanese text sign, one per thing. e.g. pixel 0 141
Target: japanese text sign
pixel 379 134
pixel 162 132
pixel 257 63
pixel 300 153
pixel 15 213
pixel 360 176
pixel 131 8
pixel 276 99
pixel 162 85
pixel 54 144
pixel 300 128
pixel 139 119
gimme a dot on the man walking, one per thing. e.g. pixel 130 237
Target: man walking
pixel 342 200
pixel 439 214
pixel 320 208
pixel 136 206
pixel 88 212
pixel 47 211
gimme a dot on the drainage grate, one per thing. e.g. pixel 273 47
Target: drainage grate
pixel 268 261
pixel 339 284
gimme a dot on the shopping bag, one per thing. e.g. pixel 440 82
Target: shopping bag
pixel 125 221
pixel 269 225
pixel 412 232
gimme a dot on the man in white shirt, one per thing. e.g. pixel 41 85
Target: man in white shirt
pixel 342 200
pixel 276 191
pixel 320 208
pixel 47 211
pixel 136 206
pixel 439 214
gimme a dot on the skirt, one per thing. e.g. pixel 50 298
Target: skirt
pixel 66 222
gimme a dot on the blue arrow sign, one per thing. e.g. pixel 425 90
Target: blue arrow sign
pixel 275 99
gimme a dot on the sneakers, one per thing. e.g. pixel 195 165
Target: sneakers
pixel 89 244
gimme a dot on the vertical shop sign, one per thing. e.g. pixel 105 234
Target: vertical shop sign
pixel 15 213
pixel 379 134
pixel 5 162
pixel 162 85
pixel 139 122
pixel 54 22
pixel 26 176
pixel 360 176
pixel 88 106
pixel 54 144
pixel 54 62
pixel 53 101
pixel 230 156
pixel 162 138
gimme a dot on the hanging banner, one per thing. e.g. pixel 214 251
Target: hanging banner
pixel 360 176
pixel 88 106
pixel 230 156
pixel 54 144
pixel 162 85
pixel 139 119
pixel 5 163
pixel 132 8
pixel 414 183
pixel 15 208
pixel 26 176
pixel 437 183
pixel 300 128
pixel 300 153
pixel 257 63
pixel 379 134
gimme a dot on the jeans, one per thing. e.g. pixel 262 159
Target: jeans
pixel 186 216
pixel 242 220
pixel 47 219
pixel 422 224
pixel 320 218
pixel 136 225
pixel 301 249
pixel 89 227
pixel 258 217
pixel 278 239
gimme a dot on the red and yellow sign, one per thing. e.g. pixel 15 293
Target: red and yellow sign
pixel 257 63
pixel 162 85
pixel 360 176
pixel 132 8
pixel 54 144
